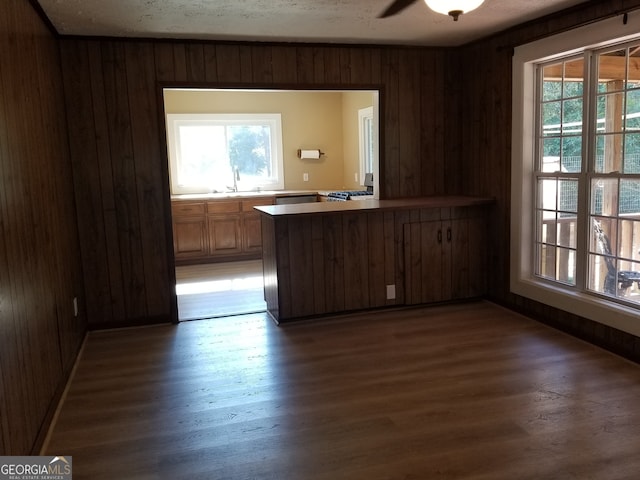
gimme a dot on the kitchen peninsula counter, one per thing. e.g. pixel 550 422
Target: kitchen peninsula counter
pixel 332 257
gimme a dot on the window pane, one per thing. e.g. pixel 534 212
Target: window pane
pixel 629 239
pixel 250 150
pixel 573 78
pixel 629 201
pixel 547 262
pixel 608 153
pixel 547 193
pixel 612 69
pixel 550 154
pixel 632 118
pixel 202 151
pixel 610 112
pixel 552 84
pixel 551 118
pixel 632 153
pixel 572 117
pixel 572 154
pixel 568 196
pixel 604 196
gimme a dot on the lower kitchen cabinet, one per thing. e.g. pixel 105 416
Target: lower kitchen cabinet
pixel 217 230
pixel 445 259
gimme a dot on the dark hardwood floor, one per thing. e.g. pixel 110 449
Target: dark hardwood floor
pixel 468 391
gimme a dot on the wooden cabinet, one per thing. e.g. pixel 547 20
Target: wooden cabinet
pixel 332 258
pixel 444 259
pixel 189 230
pixel 217 230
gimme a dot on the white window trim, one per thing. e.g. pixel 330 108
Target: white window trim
pixel 522 280
pixel 273 119
pixel 363 114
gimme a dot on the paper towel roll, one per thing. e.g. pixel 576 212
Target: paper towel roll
pixel 314 154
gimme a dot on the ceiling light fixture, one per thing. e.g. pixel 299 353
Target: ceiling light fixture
pixel 455 8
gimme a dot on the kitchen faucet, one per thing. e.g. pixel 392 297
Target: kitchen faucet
pixel 236 178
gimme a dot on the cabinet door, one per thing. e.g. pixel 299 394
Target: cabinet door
pixel 189 237
pixel 252 233
pixel 459 258
pixel 224 234
pixel 425 263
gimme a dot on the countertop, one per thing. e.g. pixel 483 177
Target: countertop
pixel 240 195
pixel 372 204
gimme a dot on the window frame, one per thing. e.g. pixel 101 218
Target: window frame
pixel 523 280
pixel 274 120
pixel 366 141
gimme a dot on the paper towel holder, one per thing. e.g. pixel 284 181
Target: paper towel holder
pixel 313 154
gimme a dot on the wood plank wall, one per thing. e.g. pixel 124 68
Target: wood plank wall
pixel 39 265
pixel 118 145
pixel 483 110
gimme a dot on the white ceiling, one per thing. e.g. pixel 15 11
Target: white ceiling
pixel 324 21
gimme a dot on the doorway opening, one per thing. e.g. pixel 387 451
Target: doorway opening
pixel 213 290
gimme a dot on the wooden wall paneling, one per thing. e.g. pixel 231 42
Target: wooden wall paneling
pixel 163 60
pixel 39 269
pixel 4 425
pixel 360 72
pixel 194 56
pixel 180 61
pixel 262 67
pixel 399 219
pixel 151 175
pixel 332 66
pixel 283 250
pixel 13 421
pixel 284 64
pixel 106 264
pixel 246 64
pixel 391 276
pixel 412 163
pixel 269 265
pixel 334 262
pixel 305 65
pixel 432 105
pixel 67 278
pixel 301 260
pixel 118 99
pixel 377 274
pixel 30 280
pixel 318 265
pixel 478 258
pixel 228 63
pixel 390 184
pixel 356 262
pixel 454 98
pixel 86 173
pixel 460 256
pixel 210 63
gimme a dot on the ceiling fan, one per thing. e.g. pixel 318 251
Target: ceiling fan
pixel 446 7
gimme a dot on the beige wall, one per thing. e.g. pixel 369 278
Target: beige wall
pixel 310 120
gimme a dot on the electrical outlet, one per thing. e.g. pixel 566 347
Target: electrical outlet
pixel 355 177
pixel 305 177
pixel 391 292
pixel 75 306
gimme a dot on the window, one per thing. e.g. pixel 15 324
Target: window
pixel 365 131
pixel 576 173
pixel 224 152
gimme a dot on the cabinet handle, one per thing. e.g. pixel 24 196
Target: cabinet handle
pixel 439 236
pixel 449 234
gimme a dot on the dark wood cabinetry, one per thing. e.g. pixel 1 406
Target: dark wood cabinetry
pixel 444 258
pixel 329 258
pixel 217 230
